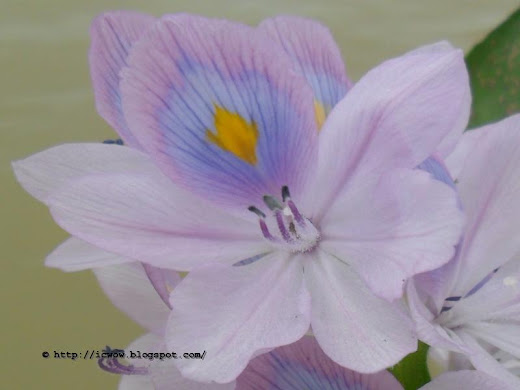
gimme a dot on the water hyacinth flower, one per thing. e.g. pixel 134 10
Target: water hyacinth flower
pixel 471 306
pixel 136 289
pixel 249 143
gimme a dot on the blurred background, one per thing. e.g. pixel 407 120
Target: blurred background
pixel 46 99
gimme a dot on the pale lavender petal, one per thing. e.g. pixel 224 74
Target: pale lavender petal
pixel 456 160
pixel 489 187
pixel 315 55
pixel 303 365
pixel 113 35
pixel 143 215
pixel 136 382
pixel 354 327
pixel 232 313
pixel 166 376
pixel 130 290
pixel 163 280
pixel 492 313
pixel 451 140
pixel 466 380
pixel 505 336
pixel 394 117
pixel 77 255
pixel 427 329
pixel 220 109
pixel 483 361
pixel 497 300
pixel 46 172
pixel 392 227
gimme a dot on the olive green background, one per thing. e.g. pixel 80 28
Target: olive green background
pixel 46 99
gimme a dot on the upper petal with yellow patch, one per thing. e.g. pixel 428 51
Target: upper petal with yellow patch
pixel 220 109
pixel 315 55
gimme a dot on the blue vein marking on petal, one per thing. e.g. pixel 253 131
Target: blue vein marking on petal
pixel 249 260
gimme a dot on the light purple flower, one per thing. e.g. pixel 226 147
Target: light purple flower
pixel 471 305
pixel 242 145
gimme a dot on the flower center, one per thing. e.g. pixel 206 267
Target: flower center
pixel 296 233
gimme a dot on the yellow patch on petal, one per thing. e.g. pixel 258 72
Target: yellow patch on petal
pixel 234 134
pixel 319 114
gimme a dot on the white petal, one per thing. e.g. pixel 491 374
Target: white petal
pixel 456 160
pixel 136 382
pixel 130 290
pixel 77 255
pixel 484 362
pixel 396 116
pixel 46 172
pixel 465 380
pixel 428 330
pixel 496 302
pixel 489 187
pixel 392 227
pixel 234 312
pixel 166 376
pixel 139 213
pixel 355 328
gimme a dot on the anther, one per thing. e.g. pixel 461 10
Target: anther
pixel 285 193
pixel 272 203
pixel 255 210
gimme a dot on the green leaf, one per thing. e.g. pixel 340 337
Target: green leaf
pixel 494 67
pixel 412 371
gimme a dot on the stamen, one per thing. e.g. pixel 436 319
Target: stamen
pixel 265 230
pixel 297 216
pixel 272 203
pixel 281 225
